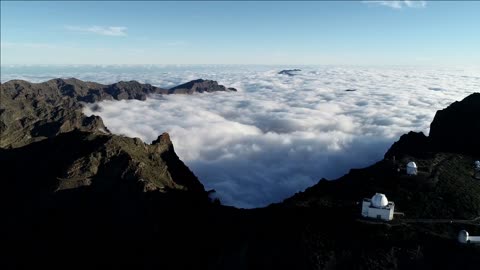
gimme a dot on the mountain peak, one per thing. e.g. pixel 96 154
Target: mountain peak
pixel 163 139
pixel 199 86
pixel 457 127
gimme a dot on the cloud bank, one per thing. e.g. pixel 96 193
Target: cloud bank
pixel 399 4
pixel 100 30
pixel 278 134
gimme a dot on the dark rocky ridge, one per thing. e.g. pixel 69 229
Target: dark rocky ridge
pixel 457 128
pixel 199 86
pixel 78 159
pixel 31 112
pixel 454 129
pixel 289 72
pixel 80 199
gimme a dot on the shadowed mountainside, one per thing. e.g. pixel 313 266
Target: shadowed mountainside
pixel 84 198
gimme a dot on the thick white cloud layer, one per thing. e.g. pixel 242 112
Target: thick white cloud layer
pixel 279 134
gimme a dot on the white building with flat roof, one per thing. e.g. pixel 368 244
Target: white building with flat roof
pixel 465 238
pixel 378 207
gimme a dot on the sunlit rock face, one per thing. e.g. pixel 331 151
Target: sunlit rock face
pixel 277 134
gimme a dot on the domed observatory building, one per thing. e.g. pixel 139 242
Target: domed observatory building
pixel 412 168
pixel 378 207
pixel 465 238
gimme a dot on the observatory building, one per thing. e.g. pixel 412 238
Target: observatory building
pixel 465 238
pixel 378 207
pixel 412 168
pixel 476 167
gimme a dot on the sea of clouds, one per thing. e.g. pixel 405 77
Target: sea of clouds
pixel 278 134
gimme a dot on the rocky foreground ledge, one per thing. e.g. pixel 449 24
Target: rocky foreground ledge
pixel 72 195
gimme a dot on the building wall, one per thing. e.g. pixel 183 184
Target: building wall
pixel 372 212
pixel 392 210
pixel 383 213
pixel 474 239
pixel 411 171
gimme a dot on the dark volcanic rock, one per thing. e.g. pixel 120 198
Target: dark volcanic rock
pixel 199 86
pixel 83 159
pixel 457 128
pixel 413 143
pixel 289 72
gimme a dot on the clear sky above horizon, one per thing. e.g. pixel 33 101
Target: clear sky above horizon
pixel 342 32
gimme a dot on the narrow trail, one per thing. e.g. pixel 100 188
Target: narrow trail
pixel 475 221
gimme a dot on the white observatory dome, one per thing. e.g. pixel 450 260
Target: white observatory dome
pixel 412 164
pixel 463 237
pixel 477 164
pixel 379 200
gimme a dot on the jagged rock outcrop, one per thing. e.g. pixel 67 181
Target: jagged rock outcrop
pixel 198 86
pixel 454 129
pixel 457 127
pixel 414 143
pixel 31 112
pixel 79 159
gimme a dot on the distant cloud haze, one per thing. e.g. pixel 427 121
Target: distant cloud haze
pixel 8 45
pixel 399 4
pixel 100 30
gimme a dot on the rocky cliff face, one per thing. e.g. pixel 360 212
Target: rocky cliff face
pixel 96 162
pixel 454 129
pixel 457 127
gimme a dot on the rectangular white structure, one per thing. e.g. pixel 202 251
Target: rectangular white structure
pixel 383 213
pixel 474 239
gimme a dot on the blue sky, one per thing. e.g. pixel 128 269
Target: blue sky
pixel 332 33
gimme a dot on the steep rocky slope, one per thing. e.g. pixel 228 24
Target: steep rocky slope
pixel 80 159
pixel 457 128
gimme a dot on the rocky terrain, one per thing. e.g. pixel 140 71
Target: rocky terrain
pixel 31 112
pixel 75 196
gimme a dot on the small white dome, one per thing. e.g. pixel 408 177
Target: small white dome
pixel 477 164
pixel 379 200
pixel 412 164
pixel 463 236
